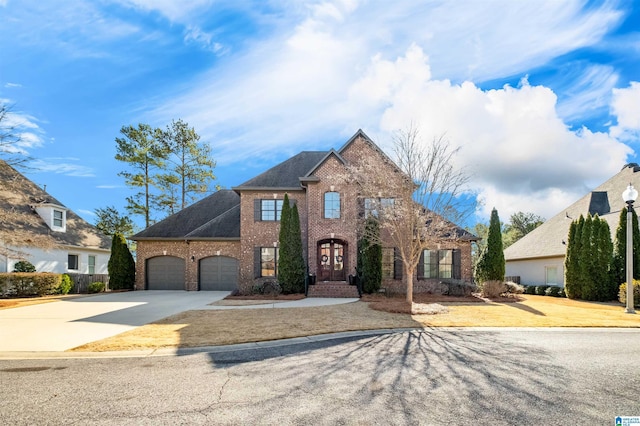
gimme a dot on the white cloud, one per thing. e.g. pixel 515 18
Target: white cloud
pixel 67 169
pixel 196 35
pixel 87 212
pixel 626 107
pixel 107 186
pixel 12 85
pixel 171 9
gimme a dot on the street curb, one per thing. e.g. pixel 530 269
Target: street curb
pixel 164 352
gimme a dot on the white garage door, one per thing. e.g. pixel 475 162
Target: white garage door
pixel 165 273
pixel 218 273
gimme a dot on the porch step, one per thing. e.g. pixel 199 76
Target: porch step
pixel 332 289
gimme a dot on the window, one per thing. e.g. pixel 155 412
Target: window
pixel 373 205
pixel 440 264
pixel 551 273
pixel 268 261
pixel 57 218
pixel 332 205
pixel 72 262
pixel 388 262
pixel 270 210
pixel 92 264
pixel 445 263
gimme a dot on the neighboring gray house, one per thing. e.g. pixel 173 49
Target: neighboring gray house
pixel 30 213
pixel 538 258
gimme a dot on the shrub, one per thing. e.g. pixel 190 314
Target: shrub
pixel 458 287
pixel 553 291
pixel 514 288
pixel 271 288
pixel 25 284
pixel 121 266
pixel 622 294
pixel 529 289
pixel 96 287
pixel 24 266
pixel 541 290
pixel 493 288
pixel 65 284
pixel 257 288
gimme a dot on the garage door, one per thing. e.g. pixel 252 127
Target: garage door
pixel 218 273
pixel 165 273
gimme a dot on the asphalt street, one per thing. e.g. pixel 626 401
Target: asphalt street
pixel 432 377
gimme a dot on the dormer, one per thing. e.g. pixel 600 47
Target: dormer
pixel 54 215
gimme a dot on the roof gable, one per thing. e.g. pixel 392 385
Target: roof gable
pixel 549 239
pixel 287 174
pixel 24 196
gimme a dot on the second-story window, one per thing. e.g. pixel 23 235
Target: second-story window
pixel 270 210
pixel 332 205
pixel 372 206
pixel 57 218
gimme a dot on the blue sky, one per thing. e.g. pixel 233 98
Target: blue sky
pixel 543 98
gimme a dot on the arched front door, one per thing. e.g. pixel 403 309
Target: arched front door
pixel 332 260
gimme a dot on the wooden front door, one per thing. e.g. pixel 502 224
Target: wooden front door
pixel 332 260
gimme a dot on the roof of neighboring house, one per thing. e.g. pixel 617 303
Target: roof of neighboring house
pixel 549 239
pixel 20 195
pixel 216 216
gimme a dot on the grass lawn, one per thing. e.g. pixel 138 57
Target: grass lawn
pixel 204 328
pixel 17 303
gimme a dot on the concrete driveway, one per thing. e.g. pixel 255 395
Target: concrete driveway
pixel 58 326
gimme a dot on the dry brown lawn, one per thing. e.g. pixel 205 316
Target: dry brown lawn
pixel 205 328
pixel 17 303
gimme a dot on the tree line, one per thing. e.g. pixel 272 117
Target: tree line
pixel 594 265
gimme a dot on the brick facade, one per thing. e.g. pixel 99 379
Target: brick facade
pixel 330 175
pixel 183 249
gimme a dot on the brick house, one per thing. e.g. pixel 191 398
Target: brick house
pixel 229 240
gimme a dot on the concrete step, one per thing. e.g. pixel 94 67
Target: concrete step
pixel 332 289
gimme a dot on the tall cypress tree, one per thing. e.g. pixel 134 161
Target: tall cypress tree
pixel 298 266
pixel 491 266
pixel 620 251
pixel 372 257
pixel 572 280
pixel 605 285
pixel 121 266
pixel 285 257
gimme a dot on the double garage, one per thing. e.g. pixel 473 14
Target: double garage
pixel 216 273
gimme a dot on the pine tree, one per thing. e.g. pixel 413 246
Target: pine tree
pixel 491 266
pixel 121 266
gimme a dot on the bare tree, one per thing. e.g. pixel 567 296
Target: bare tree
pixel 418 200
pixel 10 138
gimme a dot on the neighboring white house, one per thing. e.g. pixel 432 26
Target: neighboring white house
pixel 77 247
pixel 538 258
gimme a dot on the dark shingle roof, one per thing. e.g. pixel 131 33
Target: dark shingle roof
pixel 216 216
pixel 287 174
pixel 22 194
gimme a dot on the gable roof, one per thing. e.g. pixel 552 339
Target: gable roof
pixel 286 175
pixel 549 239
pixel 23 196
pixel 214 217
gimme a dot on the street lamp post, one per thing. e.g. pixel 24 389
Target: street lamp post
pixel 629 196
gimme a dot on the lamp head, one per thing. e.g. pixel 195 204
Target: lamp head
pixel 630 194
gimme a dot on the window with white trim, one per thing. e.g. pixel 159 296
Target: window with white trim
pixel 92 264
pixel 58 218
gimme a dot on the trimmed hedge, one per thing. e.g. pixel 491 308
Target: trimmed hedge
pixel 25 284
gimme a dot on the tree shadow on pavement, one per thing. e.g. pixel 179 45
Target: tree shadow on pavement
pixel 415 377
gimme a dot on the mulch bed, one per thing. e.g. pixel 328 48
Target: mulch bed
pixel 265 297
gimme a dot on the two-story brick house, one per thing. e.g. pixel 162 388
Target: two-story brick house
pixel 229 240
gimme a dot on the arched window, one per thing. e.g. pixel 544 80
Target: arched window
pixel 332 205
